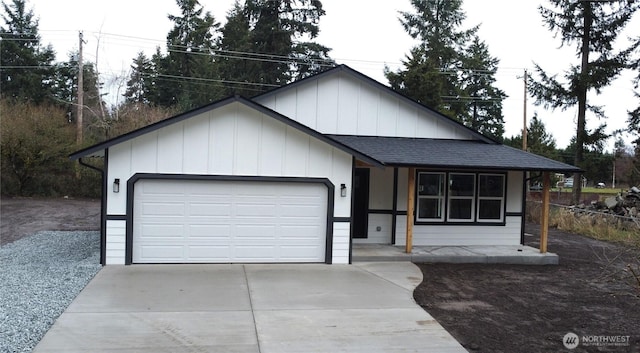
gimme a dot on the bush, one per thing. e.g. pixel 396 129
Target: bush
pixel 36 141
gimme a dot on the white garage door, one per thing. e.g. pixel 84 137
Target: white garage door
pixel 186 221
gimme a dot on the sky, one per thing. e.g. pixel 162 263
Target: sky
pixel 363 34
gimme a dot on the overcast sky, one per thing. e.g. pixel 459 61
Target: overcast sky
pixel 364 34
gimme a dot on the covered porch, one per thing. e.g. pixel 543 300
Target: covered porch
pixel 451 201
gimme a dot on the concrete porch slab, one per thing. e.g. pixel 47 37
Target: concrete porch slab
pixel 515 255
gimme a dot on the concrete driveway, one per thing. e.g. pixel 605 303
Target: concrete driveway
pixel 367 307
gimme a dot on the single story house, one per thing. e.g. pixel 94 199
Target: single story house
pixel 301 173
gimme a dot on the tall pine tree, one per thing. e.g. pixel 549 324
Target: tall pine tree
pixel 186 76
pixel 27 66
pixel 450 70
pixel 269 43
pixel 592 26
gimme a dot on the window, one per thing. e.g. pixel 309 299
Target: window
pixel 431 196
pixel 490 197
pixel 460 197
pixel 462 190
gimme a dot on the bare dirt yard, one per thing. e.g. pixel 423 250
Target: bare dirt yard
pixel 507 308
pixel 23 216
pixel 487 308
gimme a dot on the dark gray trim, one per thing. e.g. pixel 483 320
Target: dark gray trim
pixel 116 217
pixel 475 168
pixel 394 210
pixel 513 214
pixel 476 200
pixel 145 176
pixel 401 213
pixel 523 208
pixel 378 211
pixel 375 85
pixel 353 202
pixel 342 219
pixel 103 206
pixel 237 99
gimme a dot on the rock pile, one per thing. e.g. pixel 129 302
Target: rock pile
pixel 626 205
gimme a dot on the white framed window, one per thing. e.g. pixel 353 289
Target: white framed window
pixel 461 197
pixel 431 197
pixel 491 197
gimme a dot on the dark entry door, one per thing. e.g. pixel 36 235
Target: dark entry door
pixel 361 203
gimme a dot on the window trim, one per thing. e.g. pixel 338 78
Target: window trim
pixel 442 198
pixel 473 198
pixel 503 200
pixel 476 200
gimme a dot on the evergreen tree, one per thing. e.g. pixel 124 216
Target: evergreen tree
pixel 269 43
pixel 235 62
pixel 27 70
pixel 484 111
pixel 634 115
pixel 140 83
pixel 539 141
pixel 451 69
pixel 593 27
pixel 186 75
pixel 65 93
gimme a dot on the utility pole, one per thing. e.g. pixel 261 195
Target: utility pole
pixel 524 117
pixel 79 118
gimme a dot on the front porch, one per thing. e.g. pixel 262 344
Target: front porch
pixel 481 254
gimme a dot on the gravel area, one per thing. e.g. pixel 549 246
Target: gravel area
pixel 39 277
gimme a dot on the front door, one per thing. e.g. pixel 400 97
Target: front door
pixel 361 203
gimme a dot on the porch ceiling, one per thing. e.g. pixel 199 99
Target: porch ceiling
pixel 450 154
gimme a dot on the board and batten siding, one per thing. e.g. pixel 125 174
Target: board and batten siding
pixel 451 235
pixel 232 140
pixel 341 104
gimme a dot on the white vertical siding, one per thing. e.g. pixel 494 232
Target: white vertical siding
pixel 231 140
pixel 341 234
pixel 222 129
pixel 171 150
pixel 514 192
pixel 327 119
pixel 195 156
pixel 381 189
pixel 343 104
pixel 307 104
pixel 451 235
pixel 375 236
pixel 115 249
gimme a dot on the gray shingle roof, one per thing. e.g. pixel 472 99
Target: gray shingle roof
pixel 458 154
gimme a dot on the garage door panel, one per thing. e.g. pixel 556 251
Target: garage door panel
pixel 162 253
pixel 229 221
pixel 255 253
pixel 203 209
pixel 164 231
pixel 256 231
pixel 163 208
pixel 210 231
pixel 209 253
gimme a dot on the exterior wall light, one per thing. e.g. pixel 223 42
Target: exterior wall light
pixel 343 190
pixel 116 185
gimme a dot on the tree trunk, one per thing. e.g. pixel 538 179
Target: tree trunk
pixel 582 102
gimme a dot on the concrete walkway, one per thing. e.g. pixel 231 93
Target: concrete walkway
pixel 366 307
pixel 515 255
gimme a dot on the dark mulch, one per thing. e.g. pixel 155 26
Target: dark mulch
pixel 508 308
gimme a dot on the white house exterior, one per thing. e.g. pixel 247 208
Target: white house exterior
pixel 301 173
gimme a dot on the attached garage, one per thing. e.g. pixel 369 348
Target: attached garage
pixel 224 221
